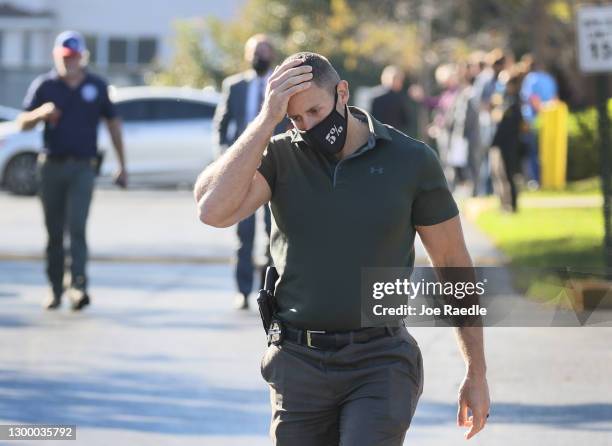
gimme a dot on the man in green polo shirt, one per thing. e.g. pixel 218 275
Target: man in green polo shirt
pixel 346 192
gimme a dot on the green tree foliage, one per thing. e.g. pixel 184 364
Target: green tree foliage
pixel 358 38
pixel 190 65
pixel 362 36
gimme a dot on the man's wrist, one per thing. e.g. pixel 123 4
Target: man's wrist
pixel 265 123
pixel 476 371
pixel 120 164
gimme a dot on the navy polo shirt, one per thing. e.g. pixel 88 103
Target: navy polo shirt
pixel 332 218
pixel 76 132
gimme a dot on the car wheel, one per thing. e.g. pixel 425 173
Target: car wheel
pixel 20 175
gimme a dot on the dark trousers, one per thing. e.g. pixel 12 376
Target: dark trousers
pixel 244 264
pixel 530 139
pixel 66 190
pixel 503 166
pixel 360 395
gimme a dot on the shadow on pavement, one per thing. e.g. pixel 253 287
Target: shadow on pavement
pixel 10 321
pixel 151 402
pixel 586 416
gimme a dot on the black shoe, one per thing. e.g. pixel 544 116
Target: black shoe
pixel 52 302
pixel 241 302
pixel 79 299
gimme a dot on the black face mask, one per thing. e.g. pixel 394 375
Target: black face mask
pixel 260 65
pixel 329 135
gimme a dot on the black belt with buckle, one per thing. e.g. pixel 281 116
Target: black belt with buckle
pixel 324 340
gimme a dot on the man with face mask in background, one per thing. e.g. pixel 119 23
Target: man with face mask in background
pixel 70 101
pixel 242 97
pixel 346 192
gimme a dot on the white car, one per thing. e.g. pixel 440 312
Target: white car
pixel 167 134
pixel 8 113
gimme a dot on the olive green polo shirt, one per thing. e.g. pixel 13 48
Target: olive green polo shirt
pixel 331 218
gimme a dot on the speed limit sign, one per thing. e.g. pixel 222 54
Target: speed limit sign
pixel 594 26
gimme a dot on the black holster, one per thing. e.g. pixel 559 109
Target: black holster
pixel 265 299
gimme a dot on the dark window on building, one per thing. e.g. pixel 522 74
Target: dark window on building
pixel 147 50
pixel 117 51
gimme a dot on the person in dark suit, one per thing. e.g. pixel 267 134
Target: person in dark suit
pixel 242 97
pixel 389 104
pixel 508 147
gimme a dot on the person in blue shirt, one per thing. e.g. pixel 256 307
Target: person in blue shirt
pixel 70 101
pixel 538 88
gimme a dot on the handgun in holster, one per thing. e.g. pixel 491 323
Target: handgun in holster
pixel 267 307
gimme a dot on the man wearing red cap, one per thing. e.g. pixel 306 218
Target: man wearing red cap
pixel 70 101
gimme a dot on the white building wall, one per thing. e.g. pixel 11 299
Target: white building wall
pixel 26 42
pixel 41 43
pixel 130 18
pixel 12 48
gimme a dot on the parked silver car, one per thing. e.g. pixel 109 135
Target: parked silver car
pixel 167 134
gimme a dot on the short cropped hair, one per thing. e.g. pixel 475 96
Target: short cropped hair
pixel 324 75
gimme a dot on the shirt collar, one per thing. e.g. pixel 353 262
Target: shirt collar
pixel 377 129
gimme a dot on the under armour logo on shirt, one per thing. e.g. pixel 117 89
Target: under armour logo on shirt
pixel 376 170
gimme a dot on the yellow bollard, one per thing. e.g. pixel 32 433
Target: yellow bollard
pixel 553 144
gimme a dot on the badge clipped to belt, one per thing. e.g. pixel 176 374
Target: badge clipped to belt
pixel 275 333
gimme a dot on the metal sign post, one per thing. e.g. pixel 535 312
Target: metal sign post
pixel 594 31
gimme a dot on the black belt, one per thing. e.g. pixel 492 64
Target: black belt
pixel 336 340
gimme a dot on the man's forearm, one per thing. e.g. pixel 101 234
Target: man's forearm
pixel 449 255
pixel 28 120
pixel 470 339
pixel 222 186
pixel 471 344
pixel 114 128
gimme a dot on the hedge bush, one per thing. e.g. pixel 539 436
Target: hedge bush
pixel 583 144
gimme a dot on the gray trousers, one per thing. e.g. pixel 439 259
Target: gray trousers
pixel 360 395
pixel 65 190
